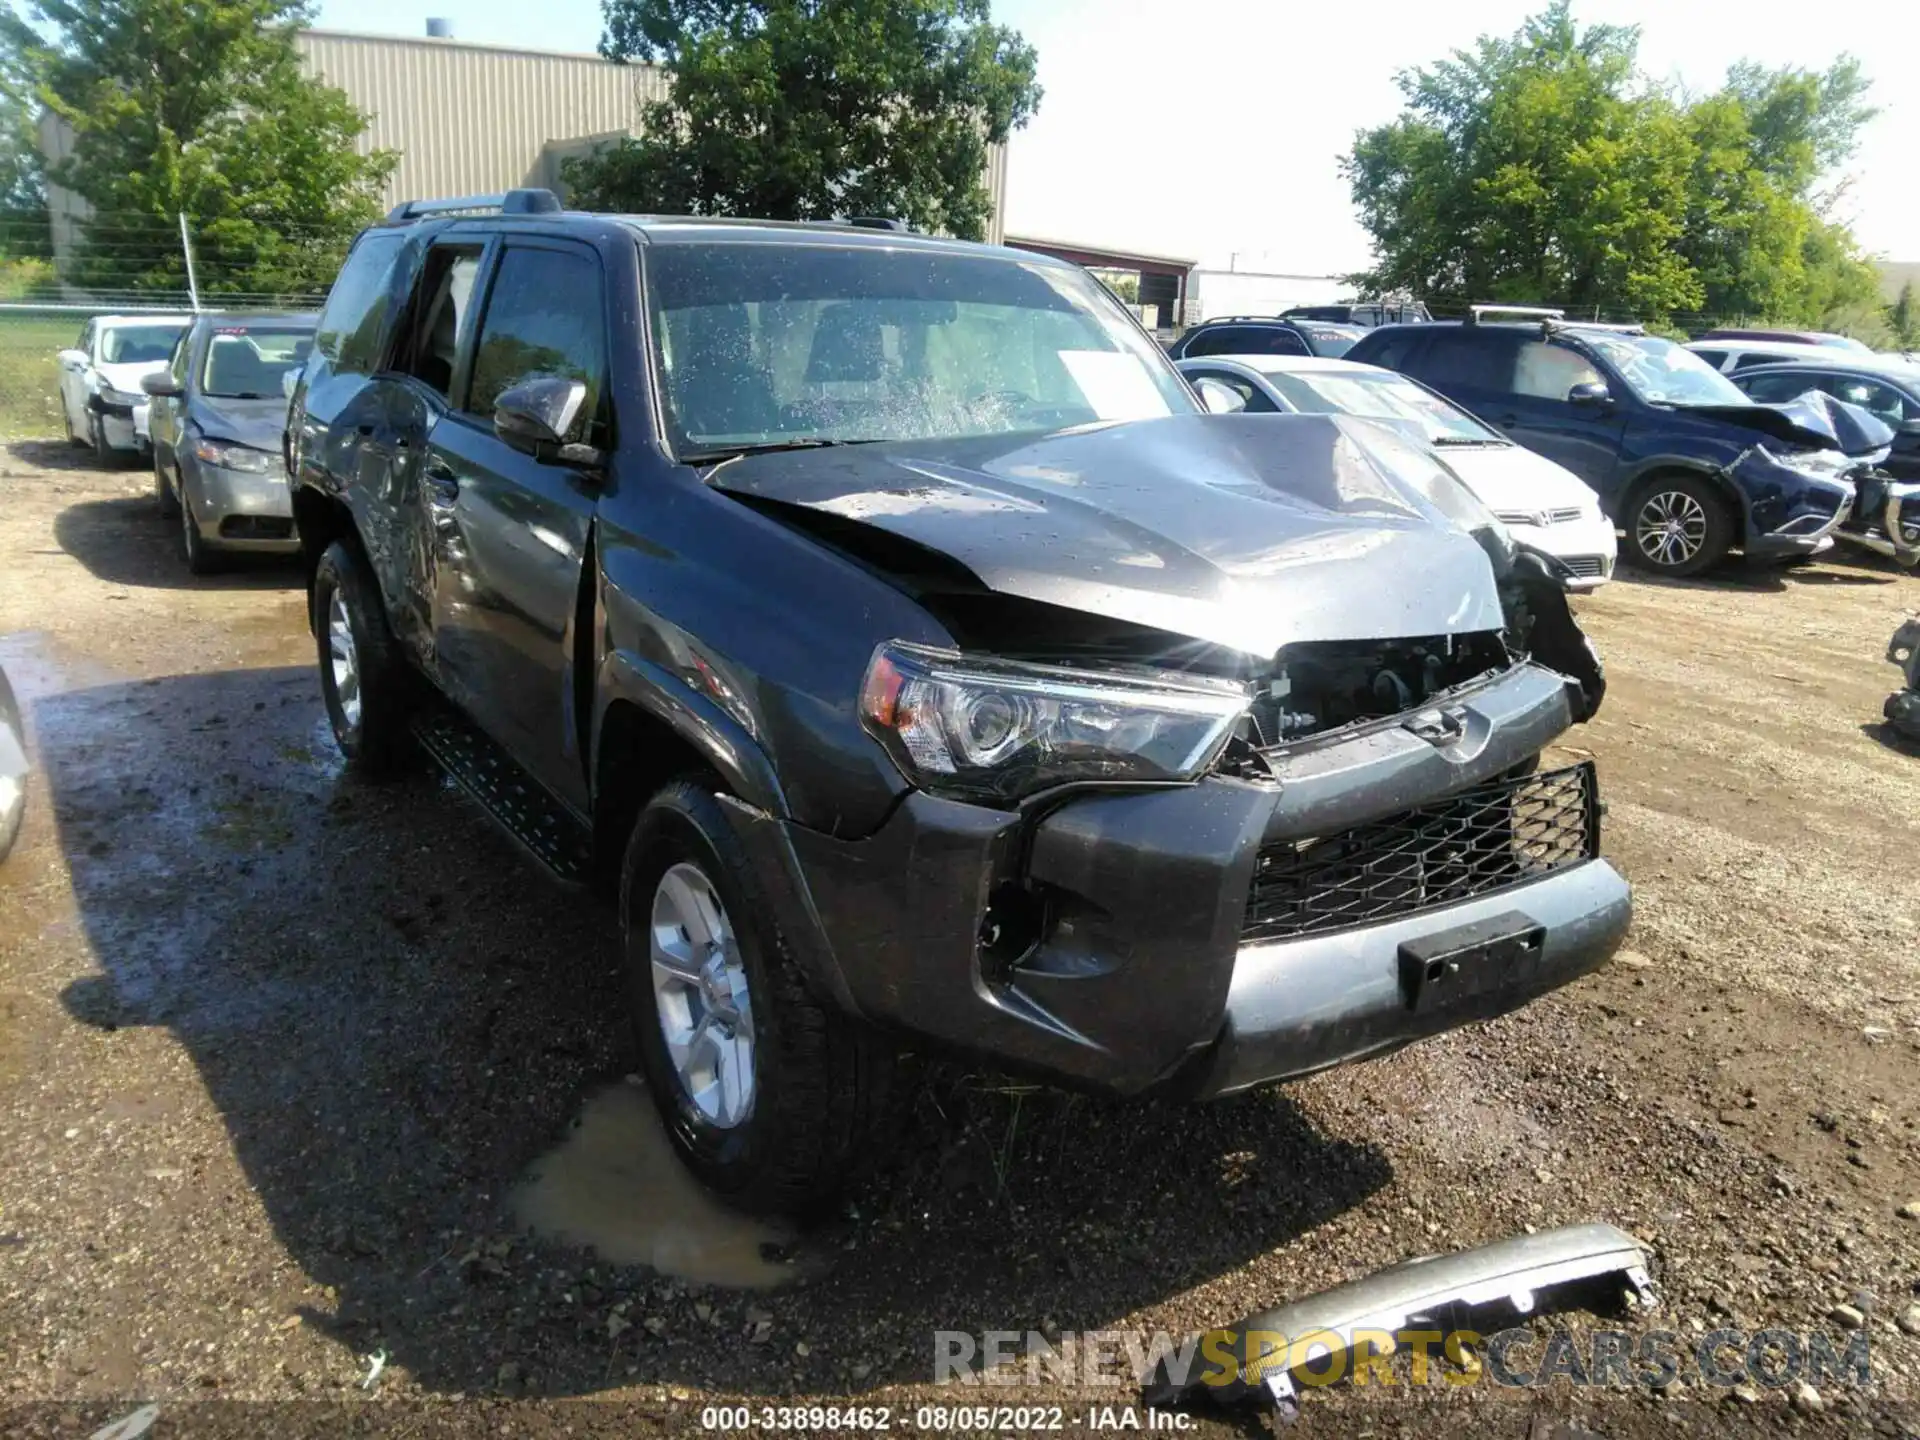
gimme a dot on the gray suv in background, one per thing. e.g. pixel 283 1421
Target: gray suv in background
pixel 885 622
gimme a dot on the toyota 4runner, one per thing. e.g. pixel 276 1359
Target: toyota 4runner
pixel 889 620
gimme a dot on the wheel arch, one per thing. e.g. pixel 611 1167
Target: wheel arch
pixel 320 519
pixel 1663 467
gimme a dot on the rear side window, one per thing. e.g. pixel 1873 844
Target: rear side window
pixel 1471 360
pixel 1754 358
pixel 1715 358
pixel 354 320
pixel 544 317
pixel 1247 340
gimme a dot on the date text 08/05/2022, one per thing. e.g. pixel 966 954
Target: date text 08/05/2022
pixel 939 1419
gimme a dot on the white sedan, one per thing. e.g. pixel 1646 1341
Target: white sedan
pixel 1545 505
pixel 100 393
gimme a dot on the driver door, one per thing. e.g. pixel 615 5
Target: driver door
pixel 1585 437
pixel 513 526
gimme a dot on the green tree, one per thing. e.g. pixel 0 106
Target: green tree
pixel 807 109
pixel 201 108
pixel 23 197
pixel 1541 166
pixel 1903 318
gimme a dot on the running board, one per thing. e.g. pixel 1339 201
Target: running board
pixel 524 807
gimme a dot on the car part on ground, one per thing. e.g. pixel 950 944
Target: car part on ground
pixel 1264 1355
pixel 1902 709
pixel 1011 704
pixel 14 767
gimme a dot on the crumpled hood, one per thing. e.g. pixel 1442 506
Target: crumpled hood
pixel 258 423
pixel 1815 420
pixel 1250 531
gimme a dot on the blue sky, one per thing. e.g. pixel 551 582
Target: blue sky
pixel 1211 129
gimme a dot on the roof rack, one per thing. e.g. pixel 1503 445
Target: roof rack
pixel 1476 314
pixel 511 202
pixel 1631 327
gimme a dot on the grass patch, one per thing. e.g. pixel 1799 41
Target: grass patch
pixel 29 379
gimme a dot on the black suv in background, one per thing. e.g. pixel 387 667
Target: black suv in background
pixel 1684 462
pixel 1264 335
pixel 1366 314
pixel 885 616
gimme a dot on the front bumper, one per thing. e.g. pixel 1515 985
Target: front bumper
pixel 123 426
pixel 241 509
pixel 1589 548
pixel 1100 943
pixel 1791 513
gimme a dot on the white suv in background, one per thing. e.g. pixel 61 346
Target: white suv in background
pixel 1545 505
pixel 100 395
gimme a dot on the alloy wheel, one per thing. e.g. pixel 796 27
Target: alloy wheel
pixel 1672 527
pixel 701 997
pixel 344 661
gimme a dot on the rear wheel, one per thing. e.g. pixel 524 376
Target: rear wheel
pixel 364 680
pixel 768 1096
pixel 1678 525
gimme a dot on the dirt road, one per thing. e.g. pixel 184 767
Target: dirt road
pixel 276 1051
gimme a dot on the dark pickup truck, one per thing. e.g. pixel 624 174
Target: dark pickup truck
pixel 886 618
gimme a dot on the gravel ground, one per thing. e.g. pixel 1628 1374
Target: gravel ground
pixel 276 1052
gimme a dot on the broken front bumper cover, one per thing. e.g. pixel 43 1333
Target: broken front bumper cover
pixel 1265 1354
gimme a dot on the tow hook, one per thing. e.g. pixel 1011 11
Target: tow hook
pixel 1265 1355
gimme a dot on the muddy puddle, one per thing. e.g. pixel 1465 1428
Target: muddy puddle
pixel 614 1183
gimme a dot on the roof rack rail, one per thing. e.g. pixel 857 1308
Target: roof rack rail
pixel 1476 314
pixel 877 222
pixel 1630 327
pixel 510 202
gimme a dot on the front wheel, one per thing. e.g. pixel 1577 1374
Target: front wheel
pixel 1678 525
pixel 201 558
pixel 364 680
pixel 162 491
pixel 768 1096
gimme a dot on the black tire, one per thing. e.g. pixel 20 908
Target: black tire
pixel 820 1079
pixel 378 743
pixel 162 491
pixel 1678 525
pixel 201 558
pixel 104 454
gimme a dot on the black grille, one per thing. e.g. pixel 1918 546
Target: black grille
pixel 1471 844
pixel 1587 567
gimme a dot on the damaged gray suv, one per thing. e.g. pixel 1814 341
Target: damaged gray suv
pixel 886 619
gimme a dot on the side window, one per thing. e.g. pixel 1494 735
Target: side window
pixel 1715 358
pixel 178 365
pixel 1777 389
pixel 354 320
pixel 1396 352
pixel 1276 342
pixel 437 318
pixel 1470 358
pixel 1754 358
pixel 1221 340
pixel 544 316
pixel 85 342
pixel 1882 401
pixel 1545 371
pixel 1250 394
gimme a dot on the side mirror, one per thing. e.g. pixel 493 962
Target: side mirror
pixel 160 384
pixel 1219 398
pixel 1590 392
pixel 72 359
pixel 535 416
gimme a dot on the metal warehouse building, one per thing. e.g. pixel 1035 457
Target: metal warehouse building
pixel 467 119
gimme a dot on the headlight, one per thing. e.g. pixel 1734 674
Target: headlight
pixel 234 457
pixel 121 397
pixel 1824 464
pixel 998 730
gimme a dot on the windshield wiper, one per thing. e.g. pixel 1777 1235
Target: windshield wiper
pixel 766 447
pixel 1438 440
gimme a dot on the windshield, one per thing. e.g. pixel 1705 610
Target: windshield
pixel 247 362
pixel 139 344
pixel 776 344
pixel 1382 396
pixel 1663 373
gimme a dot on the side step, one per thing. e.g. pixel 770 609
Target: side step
pixel 523 806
